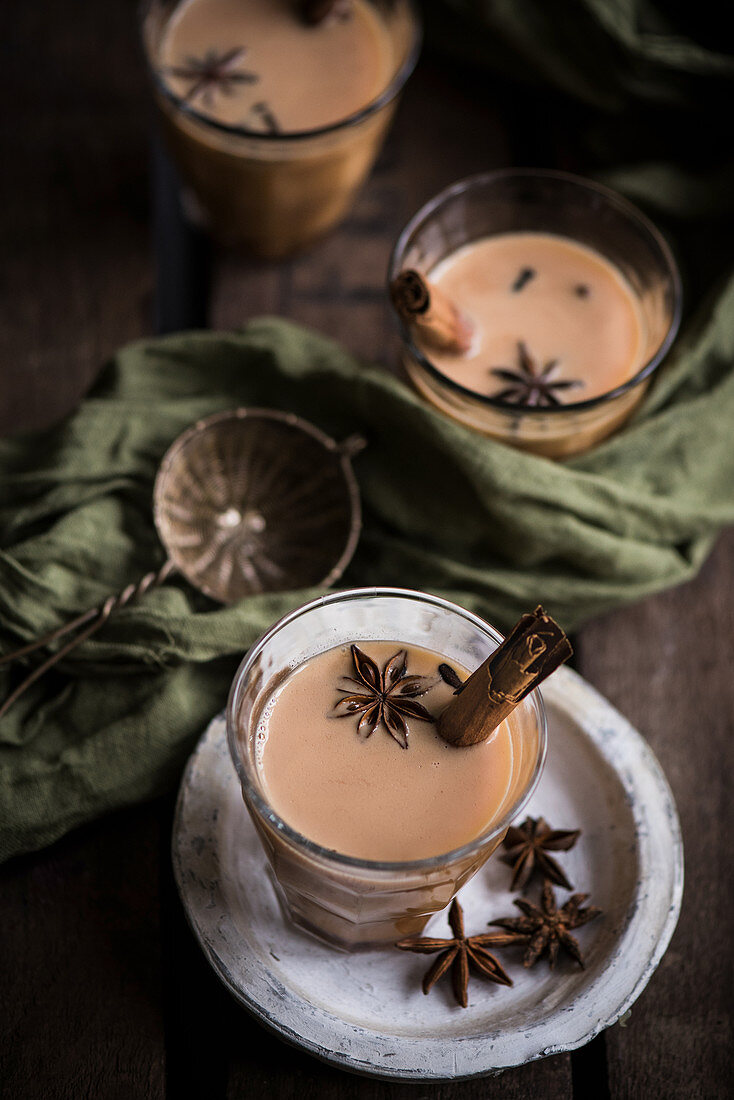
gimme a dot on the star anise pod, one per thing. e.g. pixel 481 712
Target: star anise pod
pixel 388 696
pixel 457 953
pixel 530 384
pixel 544 929
pixel 215 71
pixel 528 846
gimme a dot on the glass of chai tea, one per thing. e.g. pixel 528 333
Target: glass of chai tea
pixel 275 110
pixel 568 296
pixel 370 821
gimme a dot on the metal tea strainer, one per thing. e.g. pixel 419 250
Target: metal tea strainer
pixel 246 501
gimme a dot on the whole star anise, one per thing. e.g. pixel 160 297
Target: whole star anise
pixel 528 846
pixel 530 384
pixel 545 929
pixel 215 71
pixel 388 696
pixel 457 953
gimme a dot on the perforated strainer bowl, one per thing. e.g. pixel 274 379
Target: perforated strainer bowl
pixel 254 501
pixel 245 501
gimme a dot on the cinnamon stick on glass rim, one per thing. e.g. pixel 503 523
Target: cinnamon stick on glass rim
pixel 437 322
pixel 535 647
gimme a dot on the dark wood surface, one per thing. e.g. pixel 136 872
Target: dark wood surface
pixel 105 993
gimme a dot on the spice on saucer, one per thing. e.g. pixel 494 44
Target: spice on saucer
pixel 434 318
pixel 528 847
pixel 387 696
pixel 456 954
pixel 535 647
pixel 529 384
pixel 544 929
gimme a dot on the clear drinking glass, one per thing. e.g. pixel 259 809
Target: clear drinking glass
pixel 274 193
pixel 349 902
pixel 531 200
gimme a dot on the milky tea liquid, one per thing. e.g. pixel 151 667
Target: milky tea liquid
pixel 291 76
pixel 565 302
pixel 369 797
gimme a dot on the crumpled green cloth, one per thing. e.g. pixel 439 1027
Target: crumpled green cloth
pixel 445 510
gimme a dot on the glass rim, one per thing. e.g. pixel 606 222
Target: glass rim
pixel 330 855
pixel 624 206
pixel 387 95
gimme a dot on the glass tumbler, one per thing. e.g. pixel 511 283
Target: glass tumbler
pixel 273 193
pixel 344 901
pixel 531 200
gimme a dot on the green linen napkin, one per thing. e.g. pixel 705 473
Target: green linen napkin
pixel 445 510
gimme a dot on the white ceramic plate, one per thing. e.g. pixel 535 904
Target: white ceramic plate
pixel 365 1012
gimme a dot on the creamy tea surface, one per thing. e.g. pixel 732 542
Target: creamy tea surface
pixel 256 64
pixel 368 796
pixel 541 304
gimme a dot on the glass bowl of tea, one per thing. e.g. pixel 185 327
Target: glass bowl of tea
pixel 275 110
pixel 534 307
pixel 370 820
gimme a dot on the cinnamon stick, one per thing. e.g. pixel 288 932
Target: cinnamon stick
pixel 535 648
pixel 315 11
pixel 437 322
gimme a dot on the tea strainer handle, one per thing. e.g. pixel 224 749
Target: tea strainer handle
pixel 95 617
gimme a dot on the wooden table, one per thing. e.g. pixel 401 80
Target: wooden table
pixel 105 993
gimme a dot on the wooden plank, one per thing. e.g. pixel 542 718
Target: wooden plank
pixel 80 955
pixel 666 663
pixel 73 202
pixel 80 966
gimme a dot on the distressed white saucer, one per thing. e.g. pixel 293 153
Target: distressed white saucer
pixel 365 1012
